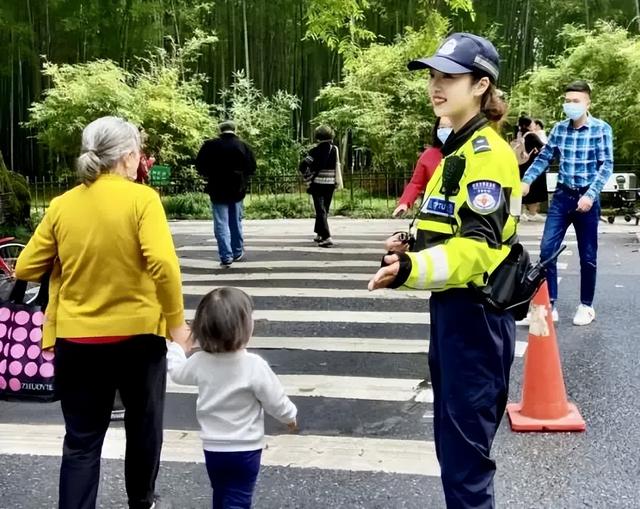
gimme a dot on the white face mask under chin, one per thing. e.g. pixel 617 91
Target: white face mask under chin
pixel 443 133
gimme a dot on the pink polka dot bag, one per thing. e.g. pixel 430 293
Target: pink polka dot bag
pixel 26 371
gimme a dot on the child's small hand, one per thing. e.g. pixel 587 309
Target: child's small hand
pixel 182 336
pixel 293 427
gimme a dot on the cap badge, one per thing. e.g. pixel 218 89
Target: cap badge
pixel 448 47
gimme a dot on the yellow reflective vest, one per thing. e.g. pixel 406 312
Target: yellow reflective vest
pixel 462 238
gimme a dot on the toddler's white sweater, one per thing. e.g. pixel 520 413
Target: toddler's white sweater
pixel 234 390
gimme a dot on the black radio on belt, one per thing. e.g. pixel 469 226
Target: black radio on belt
pixel 452 172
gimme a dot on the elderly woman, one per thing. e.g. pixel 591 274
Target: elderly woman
pixel 115 289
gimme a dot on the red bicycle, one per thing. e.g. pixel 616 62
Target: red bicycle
pixel 10 249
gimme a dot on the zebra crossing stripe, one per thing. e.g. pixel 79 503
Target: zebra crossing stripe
pixel 198 263
pixel 249 241
pixel 367 345
pixel 342 387
pixel 364 345
pixel 325 293
pixel 323 316
pixel 276 276
pixel 336 249
pixel 412 457
pixel 203 263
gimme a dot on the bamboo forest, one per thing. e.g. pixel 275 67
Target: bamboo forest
pixel 280 67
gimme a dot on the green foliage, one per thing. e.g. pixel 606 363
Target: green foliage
pixel 282 206
pixel 79 93
pixel 342 24
pixel 608 57
pixel 265 123
pixel 385 106
pixel 15 201
pixel 339 24
pixel 187 206
pixel 158 96
pixel 185 179
pixel 169 105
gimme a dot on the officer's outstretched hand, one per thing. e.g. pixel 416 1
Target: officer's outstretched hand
pixel 394 243
pixel 387 274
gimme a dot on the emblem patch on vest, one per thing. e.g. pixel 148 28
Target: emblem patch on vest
pixel 484 196
pixel 480 144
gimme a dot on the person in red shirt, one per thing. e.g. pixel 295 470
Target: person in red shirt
pixel 146 162
pixel 425 167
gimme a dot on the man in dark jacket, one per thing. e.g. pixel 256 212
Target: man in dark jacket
pixel 227 164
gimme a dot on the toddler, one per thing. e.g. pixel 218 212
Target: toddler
pixel 234 389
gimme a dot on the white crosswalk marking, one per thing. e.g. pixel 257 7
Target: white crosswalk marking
pixel 325 293
pixel 256 241
pixel 293 249
pixel 203 263
pixel 279 315
pixel 369 345
pixel 346 387
pixel 276 276
pixel 315 249
pixel 334 345
pixel 415 457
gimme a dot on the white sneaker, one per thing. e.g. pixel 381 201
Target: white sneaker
pixel 525 321
pixel 537 218
pixel 584 315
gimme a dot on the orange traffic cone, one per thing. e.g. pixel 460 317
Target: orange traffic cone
pixel 544 405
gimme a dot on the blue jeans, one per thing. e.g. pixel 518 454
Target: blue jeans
pixel 227 227
pixel 233 477
pixel 562 213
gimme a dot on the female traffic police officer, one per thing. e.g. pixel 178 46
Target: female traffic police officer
pixel 465 226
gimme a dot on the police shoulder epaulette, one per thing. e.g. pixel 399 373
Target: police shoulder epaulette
pixel 480 144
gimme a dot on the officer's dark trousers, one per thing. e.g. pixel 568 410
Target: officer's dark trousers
pixel 470 356
pixel 87 377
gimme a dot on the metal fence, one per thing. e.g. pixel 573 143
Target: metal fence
pixel 361 186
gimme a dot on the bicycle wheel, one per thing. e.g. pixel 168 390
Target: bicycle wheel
pixel 9 253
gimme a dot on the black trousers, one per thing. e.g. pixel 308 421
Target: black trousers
pixel 87 377
pixel 470 361
pixel 322 195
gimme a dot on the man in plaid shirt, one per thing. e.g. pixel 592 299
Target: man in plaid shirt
pixel 584 146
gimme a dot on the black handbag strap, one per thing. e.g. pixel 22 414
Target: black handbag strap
pixel 18 291
pixel 20 288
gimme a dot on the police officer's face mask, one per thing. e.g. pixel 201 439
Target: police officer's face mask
pixel 443 133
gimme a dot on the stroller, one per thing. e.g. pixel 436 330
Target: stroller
pixel 625 202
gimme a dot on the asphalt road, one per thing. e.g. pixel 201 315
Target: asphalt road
pixel 357 382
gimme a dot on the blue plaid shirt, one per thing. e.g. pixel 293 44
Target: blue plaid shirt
pixel 586 156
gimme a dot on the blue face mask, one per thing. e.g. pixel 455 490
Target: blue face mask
pixel 443 133
pixel 574 110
